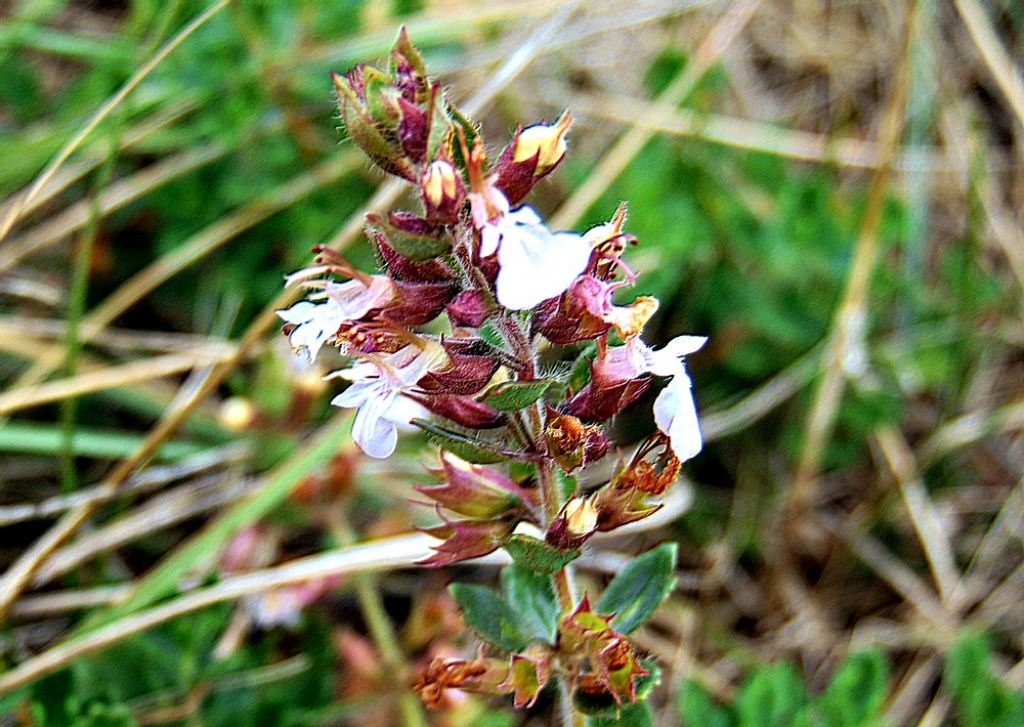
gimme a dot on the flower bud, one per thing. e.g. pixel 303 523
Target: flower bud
pixel 411 236
pixel 469 308
pixel 473 490
pixel 443 190
pixel 401 267
pixel 574 525
pixel 617 378
pixel 468 373
pixel 580 516
pixel 463 410
pixel 415 304
pixel 546 142
pixel 371 116
pixel 465 539
pixel 533 154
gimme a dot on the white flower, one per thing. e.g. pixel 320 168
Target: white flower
pixel 315 324
pixel 318 323
pixel 376 391
pixel 674 410
pixel 535 263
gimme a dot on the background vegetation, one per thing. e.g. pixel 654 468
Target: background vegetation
pixel 831 191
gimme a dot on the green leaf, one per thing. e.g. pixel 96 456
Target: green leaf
pixel 773 696
pixel 469 131
pixel 468 448
pixel 514 395
pixel 698 709
pixel 631 715
pixel 567 484
pixel 532 595
pixel 579 373
pixel 537 556
pixel 405 46
pixel 981 699
pixel 637 591
pixel 857 693
pixel 490 616
pixel 414 247
pixel 492 336
pixel 440 126
pixel 26 438
pixel 605 706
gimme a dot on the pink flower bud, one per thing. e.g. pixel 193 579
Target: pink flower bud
pixel 402 267
pixel 471 368
pixel 465 539
pixel 617 378
pixel 462 410
pixel 533 154
pixel 475 491
pixel 415 304
pixel 469 308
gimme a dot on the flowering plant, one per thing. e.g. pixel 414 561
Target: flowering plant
pixel 512 431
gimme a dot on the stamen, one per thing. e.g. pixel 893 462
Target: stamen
pixel 306 273
pixel 334 262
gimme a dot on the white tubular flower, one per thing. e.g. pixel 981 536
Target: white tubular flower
pixel 376 391
pixel 318 323
pixel 315 324
pixel 675 411
pixel 534 263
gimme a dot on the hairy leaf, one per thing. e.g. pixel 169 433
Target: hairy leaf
pixel 537 556
pixel 514 395
pixel 468 448
pixel 490 616
pixel 532 595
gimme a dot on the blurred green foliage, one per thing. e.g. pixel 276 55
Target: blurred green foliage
pixel 776 694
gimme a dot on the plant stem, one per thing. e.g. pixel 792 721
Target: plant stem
pixel 570 717
pixel 551 498
pixel 550 492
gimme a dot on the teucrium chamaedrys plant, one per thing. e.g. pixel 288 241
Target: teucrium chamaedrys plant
pixel 511 432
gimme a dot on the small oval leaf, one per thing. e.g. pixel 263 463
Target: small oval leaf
pixel 537 556
pixel 532 595
pixel 514 395
pixel 637 591
pixel 468 448
pixel 490 616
